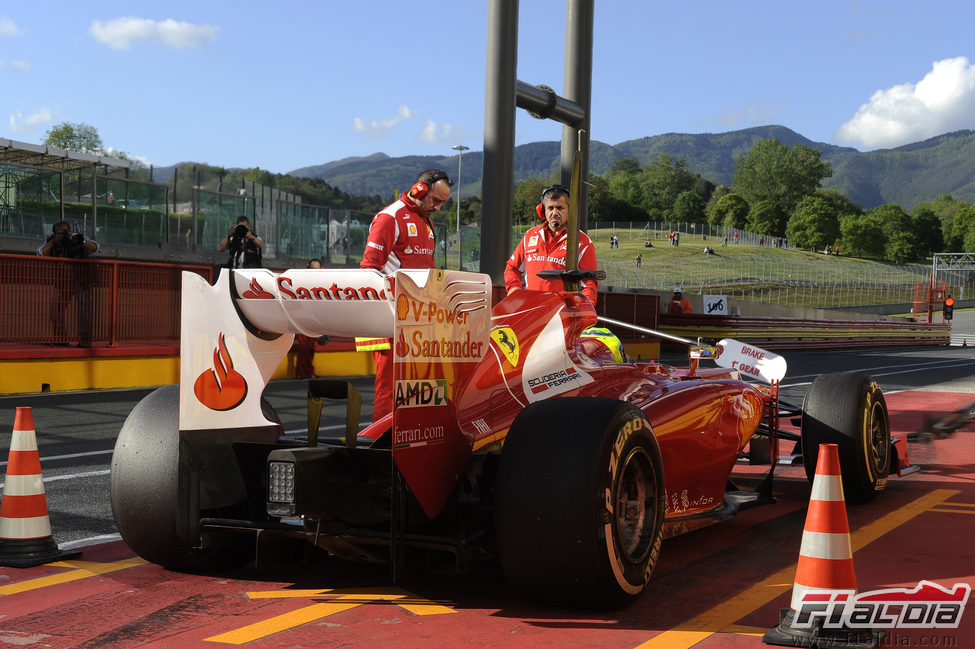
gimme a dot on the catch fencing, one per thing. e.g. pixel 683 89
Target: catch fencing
pixel 57 301
pixel 816 283
pixel 657 231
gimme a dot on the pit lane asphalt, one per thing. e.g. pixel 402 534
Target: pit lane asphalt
pixel 76 433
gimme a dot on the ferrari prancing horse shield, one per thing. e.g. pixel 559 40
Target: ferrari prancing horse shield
pixel 507 342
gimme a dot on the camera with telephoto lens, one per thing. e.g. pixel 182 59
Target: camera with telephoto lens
pixel 69 245
pixel 237 236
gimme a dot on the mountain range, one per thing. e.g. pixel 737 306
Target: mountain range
pixel 905 175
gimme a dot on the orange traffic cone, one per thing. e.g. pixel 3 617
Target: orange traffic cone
pixel 25 530
pixel 825 567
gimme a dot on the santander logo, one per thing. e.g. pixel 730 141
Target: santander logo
pixel 256 292
pixel 402 349
pixel 222 387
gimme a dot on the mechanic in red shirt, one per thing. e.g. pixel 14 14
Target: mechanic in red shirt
pixel 401 236
pixel 543 248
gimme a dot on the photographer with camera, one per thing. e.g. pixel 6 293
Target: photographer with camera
pixel 245 247
pixel 62 243
pixel 76 283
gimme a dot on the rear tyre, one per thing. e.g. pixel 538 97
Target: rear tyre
pixel 145 487
pixel 580 502
pixel 848 409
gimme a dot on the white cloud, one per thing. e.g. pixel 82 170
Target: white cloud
pixel 9 27
pixel 943 101
pixel 121 33
pixel 374 127
pixel 23 66
pixel 434 133
pixel 21 124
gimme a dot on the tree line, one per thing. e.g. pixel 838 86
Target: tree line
pixel 776 191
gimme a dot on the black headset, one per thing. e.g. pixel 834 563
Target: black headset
pixel 426 181
pixel 540 208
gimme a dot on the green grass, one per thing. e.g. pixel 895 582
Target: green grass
pixel 752 272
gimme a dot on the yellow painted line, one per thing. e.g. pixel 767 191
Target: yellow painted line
pixel 82 570
pixel 346 600
pixel 725 615
pixel 945 510
pixel 282 622
pixel 283 594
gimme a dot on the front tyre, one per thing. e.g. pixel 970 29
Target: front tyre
pixel 580 502
pixel 848 409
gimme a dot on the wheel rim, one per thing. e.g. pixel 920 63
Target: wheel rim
pixel 877 440
pixel 636 506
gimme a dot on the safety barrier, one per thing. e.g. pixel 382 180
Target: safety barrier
pixel 54 301
pixel 795 333
pixel 57 301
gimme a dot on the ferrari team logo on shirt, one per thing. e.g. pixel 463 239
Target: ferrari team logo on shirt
pixel 411 229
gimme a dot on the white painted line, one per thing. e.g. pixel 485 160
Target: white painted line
pixel 72 476
pixel 91 540
pixel 68 456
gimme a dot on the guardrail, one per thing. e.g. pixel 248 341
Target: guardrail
pixel 105 303
pixel 56 301
pixel 788 333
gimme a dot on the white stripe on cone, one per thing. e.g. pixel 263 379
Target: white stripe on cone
pixel 23 485
pixel 826 487
pixel 822 545
pixel 35 527
pixel 23 440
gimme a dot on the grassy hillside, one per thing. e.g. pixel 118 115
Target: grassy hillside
pixel 751 272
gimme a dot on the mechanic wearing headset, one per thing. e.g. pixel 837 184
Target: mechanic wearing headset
pixel 401 236
pixel 543 248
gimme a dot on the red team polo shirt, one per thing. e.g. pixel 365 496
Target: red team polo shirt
pixel 399 238
pixel 542 250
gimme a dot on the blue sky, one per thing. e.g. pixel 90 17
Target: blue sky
pixel 289 84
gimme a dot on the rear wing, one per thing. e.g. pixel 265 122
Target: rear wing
pixel 235 333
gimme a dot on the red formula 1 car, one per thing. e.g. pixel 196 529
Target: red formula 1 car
pixel 511 436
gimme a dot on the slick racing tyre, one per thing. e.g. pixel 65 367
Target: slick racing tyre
pixel 145 490
pixel 580 502
pixel 848 409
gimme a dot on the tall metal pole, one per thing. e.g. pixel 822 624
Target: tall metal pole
pixel 499 136
pixel 460 148
pixel 577 79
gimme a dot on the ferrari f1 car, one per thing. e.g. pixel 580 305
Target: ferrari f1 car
pixel 512 436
